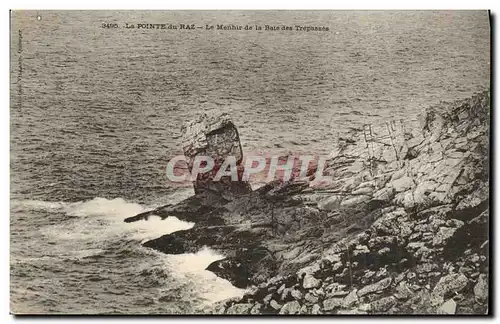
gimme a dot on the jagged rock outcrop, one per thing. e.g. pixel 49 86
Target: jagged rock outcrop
pixel 415 169
pixel 213 134
pixel 419 199
pixel 256 230
pixel 261 232
pixel 402 227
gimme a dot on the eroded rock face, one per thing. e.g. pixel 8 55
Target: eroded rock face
pixel 417 168
pixel 424 196
pixel 403 227
pixel 213 134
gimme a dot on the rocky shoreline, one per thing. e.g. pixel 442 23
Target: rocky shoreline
pixel 402 228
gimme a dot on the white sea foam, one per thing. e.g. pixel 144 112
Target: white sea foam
pixel 26 205
pixel 190 267
pixel 155 227
pixel 99 222
pixel 93 207
pixel 117 207
pixel 101 219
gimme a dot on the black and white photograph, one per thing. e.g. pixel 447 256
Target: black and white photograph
pixel 250 162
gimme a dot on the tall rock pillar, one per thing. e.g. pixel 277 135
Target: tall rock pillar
pixel 213 134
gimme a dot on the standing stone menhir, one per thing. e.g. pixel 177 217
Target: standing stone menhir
pixel 213 134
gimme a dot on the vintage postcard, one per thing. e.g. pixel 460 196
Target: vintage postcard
pixel 250 162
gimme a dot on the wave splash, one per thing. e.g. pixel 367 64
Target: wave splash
pixel 95 230
pixel 101 217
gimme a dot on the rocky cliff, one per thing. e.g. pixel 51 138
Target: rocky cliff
pixel 401 227
pixel 418 202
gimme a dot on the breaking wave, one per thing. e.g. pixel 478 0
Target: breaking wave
pixel 93 234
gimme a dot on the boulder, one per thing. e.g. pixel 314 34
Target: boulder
pixel 402 184
pixel 290 308
pixel 443 235
pixel 274 304
pixel 316 310
pixel 383 305
pixel 233 270
pixel 448 307
pixel 310 282
pixel 481 288
pixel 384 194
pixel 332 303
pixel 452 283
pixel 350 299
pixel 239 309
pixel 213 134
pixel 296 294
pixel 354 200
pixel 402 291
pixel 256 309
pixel 310 298
pixel 330 203
pixel 378 286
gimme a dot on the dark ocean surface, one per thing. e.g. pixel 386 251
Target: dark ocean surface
pixel 96 115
